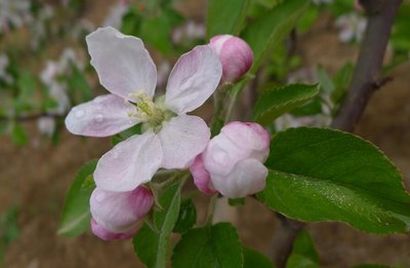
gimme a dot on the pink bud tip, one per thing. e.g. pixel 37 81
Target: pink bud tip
pixel 202 180
pixel 107 235
pixel 235 55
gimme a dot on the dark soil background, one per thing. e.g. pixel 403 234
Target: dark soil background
pixel 36 177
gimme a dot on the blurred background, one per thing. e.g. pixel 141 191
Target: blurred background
pixel 44 70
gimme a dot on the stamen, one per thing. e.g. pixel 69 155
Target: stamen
pixel 147 111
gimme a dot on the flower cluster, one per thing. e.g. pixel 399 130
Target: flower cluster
pixel 231 163
pixel 51 76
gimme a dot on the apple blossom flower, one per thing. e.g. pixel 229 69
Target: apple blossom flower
pixel 232 163
pixel 352 27
pixel 235 54
pixel 116 215
pixel 171 139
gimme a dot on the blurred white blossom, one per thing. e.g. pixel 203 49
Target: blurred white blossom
pixel 4 63
pixel 117 11
pixel 164 68
pixel 351 27
pixel 81 28
pixel 46 125
pixel 290 121
pixel 307 75
pixel 38 27
pixel 51 76
pixel 188 31
pixel 14 13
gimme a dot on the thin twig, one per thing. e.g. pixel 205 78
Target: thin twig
pixel 366 80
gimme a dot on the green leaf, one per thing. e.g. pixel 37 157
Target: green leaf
pixel 19 135
pixel 152 241
pixel 126 134
pixel 156 30
pixel 234 202
pixel 210 246
pixel 326 82
pixel 225 17
pixel 311 107
pixel 76 212
pixel 328 175
pixel 269 30
pixel 254 259
pixel 341 81
pixel 131 21
pixel 187 217
pixel 78 85
pixel 26 84
pixel 303 254
pixel 273 103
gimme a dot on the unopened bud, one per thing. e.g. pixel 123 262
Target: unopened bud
pixel 232 163
pixel 235 55
pixel 116 215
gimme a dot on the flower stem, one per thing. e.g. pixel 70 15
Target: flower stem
pixel 210 210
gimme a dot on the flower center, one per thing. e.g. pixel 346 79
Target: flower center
pixel 153 114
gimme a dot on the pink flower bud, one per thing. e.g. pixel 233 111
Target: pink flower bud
pixel 235 55
pixel 232 162
pixel 201 177
pixel 116 215
pixel 104 234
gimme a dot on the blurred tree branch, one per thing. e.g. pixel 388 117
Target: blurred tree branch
pixel 366 80
pixel 366 77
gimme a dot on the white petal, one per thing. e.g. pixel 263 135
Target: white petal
pixel 104 116
pixel 129 164
pixel 122 63
pixel 193 79
pixel 246 178
pixel 183 138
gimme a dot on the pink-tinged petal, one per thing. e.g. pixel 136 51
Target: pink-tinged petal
pixel 246 178
pixel 183 138
pixel 193 79
pixel 237 141
pixel 122 63
pixel 107 235
pixel 129 164
pixel 250 136
pixel 104 116
pixel 120 212
pixel 201 177
pixel 235 55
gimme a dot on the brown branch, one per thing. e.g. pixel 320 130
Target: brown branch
pixel 366 80
pixel 285 235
